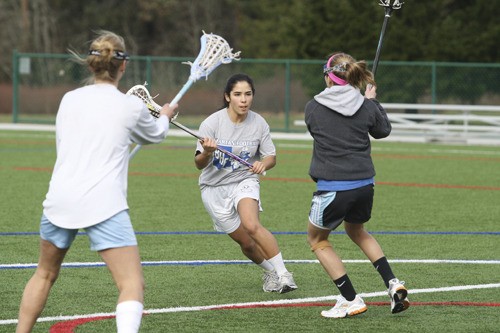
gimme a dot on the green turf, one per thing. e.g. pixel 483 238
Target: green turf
pixel 442 197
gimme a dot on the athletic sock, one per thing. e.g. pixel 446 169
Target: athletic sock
pixel 278 264
pixel 384 269
pixel 267 266
pixel 345 287
pixel 128 316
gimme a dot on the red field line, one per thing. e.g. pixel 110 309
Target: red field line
pixel 408 157
pixel 430 157
pixel 449 186
pixel 465 187
pixel 155 174
pixel 70 325
pixel 294 180
pixel 20 143
pixel 33 169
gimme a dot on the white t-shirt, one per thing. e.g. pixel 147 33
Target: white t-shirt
pixel 94 127
pixel 250 140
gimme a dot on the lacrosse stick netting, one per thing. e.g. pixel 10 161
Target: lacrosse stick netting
pixel 142 92
pixel 214 51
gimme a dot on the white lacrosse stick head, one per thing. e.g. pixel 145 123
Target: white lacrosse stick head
pixel 142 92
pixel 214 51
pixel 387 3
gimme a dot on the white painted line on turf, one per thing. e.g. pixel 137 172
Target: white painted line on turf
pixel 406 261
pixel 245 262
pixel 251 304
pixel 27 127
pixel 275 135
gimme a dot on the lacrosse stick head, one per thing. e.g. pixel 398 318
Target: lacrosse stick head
pixel 142 92
pixel 396 4
pixel 214 51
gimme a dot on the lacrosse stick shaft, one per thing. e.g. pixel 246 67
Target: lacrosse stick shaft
pixel 379 47
pixel 185 129
pixel 388 11
pixel 222 150
pixel 233 156
pixel 134 151
pixel 181 93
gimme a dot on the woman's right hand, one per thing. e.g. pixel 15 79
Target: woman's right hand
pixel 209 145
pixel 168 110
pixel 371 91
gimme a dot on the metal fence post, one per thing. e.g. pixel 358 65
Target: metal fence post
pixel 433 83
pixel 15 86
pixel 288 76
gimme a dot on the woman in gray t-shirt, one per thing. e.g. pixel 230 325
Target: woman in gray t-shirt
pixel 230 190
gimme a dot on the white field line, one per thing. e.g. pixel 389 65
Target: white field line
pixel 250 304
pixel 284 136
pixel 217 262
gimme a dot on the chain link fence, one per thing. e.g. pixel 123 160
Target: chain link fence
pixel 283 87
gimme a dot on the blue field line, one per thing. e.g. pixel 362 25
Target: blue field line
pixel 491 233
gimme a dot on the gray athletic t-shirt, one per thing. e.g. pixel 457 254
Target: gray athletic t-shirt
pixel 250 140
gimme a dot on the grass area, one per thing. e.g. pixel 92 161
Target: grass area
pixel 432 202
pixel 5 118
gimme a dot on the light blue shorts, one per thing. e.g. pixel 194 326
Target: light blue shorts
pixel 117 231
pixel 319 203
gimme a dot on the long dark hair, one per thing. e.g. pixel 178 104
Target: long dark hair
pixel 231 82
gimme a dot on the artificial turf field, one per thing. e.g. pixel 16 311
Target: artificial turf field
pixel 436 214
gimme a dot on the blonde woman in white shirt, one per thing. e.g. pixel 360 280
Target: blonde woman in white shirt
pixel 95 126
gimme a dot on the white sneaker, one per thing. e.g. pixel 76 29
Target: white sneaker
pixel 271 282
pixel 398 294
pixel 343 308
pixel 286 283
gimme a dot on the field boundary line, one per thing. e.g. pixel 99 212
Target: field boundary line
pixel 248 262
pixel 257 304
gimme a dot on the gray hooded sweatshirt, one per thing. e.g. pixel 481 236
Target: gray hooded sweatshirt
pixel 340 120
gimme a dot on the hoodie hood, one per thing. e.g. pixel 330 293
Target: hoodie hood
pixel 345 100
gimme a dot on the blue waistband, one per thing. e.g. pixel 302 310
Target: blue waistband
pixel 342 185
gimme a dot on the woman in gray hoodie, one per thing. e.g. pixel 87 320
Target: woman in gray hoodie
pixel 341 121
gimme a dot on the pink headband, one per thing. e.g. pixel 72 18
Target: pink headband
pixel 329 70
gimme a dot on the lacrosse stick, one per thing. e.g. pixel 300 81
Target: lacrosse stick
pixel 142 92
pixel 396 4
pixel 214 51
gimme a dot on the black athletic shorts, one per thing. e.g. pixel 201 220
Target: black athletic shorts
pixel 330 209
